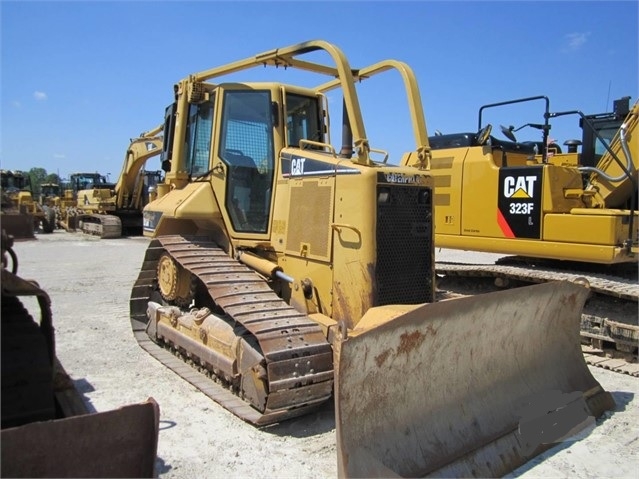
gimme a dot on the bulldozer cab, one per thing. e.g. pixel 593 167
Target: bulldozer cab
pixel 245 143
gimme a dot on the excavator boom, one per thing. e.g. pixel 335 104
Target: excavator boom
pixel 108 210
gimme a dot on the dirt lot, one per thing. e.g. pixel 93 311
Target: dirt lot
pixel 89 282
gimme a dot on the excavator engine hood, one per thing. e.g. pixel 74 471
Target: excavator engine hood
pixel 471 387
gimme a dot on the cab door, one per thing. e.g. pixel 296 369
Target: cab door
pixel 244 158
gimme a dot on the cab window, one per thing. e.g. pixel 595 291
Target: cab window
pixel 302 119
pixel 198 138
pixel 246 147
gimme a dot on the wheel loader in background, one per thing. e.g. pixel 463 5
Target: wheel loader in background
pixel 287 272
pixel 110 210
pixel 21 214
pixel 47 430
pixel 50 194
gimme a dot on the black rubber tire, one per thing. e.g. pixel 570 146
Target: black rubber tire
pixel 48 223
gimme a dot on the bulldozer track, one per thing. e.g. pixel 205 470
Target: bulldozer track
pixel 104 226
pixel 286 337
pixel 608 343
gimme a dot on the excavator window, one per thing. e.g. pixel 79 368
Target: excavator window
pixel 246 146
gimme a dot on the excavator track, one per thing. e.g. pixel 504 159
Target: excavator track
pixel 610 342
pixel 286 337
pixel 104 226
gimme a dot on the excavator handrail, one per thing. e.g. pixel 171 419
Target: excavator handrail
pixel 415 104
pixel 545 127
pixel 285 57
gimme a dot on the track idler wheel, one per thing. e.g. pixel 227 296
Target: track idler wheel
pixel 175 282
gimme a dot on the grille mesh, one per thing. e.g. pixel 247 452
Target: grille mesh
pixel 404 273
pixel 309 219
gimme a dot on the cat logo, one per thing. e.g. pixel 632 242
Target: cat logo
pixel 519 187
pixel 297 166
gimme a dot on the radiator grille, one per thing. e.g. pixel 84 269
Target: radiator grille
pixel 309 220
pixel 404 272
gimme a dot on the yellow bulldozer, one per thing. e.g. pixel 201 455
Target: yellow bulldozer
pixel 47 430
pixel 287 273
pixel 109 210
pixel 21 214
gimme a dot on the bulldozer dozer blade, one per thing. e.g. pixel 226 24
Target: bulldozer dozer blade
pixel 469 387
pixel 118 443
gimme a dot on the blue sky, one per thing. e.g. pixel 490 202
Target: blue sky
pixel 79 79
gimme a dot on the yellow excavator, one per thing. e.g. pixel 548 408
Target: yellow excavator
pixel 529 199
pixel 555 214
pixel 282 273
pixel 108 211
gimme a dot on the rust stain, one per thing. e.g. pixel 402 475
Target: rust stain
pixel 381 358
pixel 408 342
pixel 349 304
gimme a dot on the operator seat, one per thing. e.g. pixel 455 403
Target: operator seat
pixel 246 195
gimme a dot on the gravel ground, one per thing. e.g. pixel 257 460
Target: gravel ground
pixel 89 282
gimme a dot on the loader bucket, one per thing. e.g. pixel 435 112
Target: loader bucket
pixel 20 226
pixel 470 387
pixel 118 443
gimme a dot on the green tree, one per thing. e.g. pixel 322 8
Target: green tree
pixel 53 178
pixel 37 177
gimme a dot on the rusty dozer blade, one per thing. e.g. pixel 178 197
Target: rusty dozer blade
pixel 118 443
pixel 470 387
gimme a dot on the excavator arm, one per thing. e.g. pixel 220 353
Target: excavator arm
pixel 128 189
